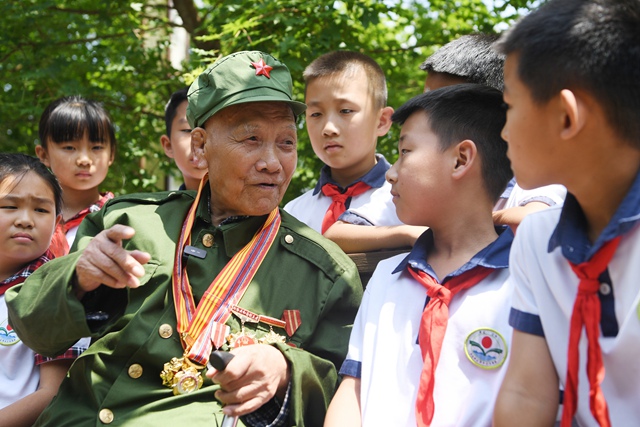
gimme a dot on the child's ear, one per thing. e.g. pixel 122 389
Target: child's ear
pixel 574 111
pixel 58 219
pixel 42 155
pixel 112 155
pixel 198 141
pixel 165 141
pixel 465 154
pixel 384 123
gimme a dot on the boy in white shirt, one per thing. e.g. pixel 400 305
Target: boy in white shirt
pixel 431 339
pixel 572 88
pixel 346 94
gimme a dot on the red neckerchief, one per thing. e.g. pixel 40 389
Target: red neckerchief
pixel 59 245
pixel 338 206
pixel 586 312
pixel 77 218
pixel 433 326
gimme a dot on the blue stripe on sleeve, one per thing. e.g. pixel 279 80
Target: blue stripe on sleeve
pixel 351 368
pixel 526 322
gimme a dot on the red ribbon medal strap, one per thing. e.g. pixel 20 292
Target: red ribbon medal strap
pixel 292 320
pixel 194 323
pixel 586 311
pixel 338 206
pixel 433 327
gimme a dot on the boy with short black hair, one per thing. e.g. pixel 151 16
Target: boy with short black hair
pixel 572 86
pixel 346 94
pixel 450 64
pixel 176 143
pixel 439 363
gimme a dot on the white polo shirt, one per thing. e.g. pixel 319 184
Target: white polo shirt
pixel 546 288
pixel 379 210
pixel 311 206
pixel 384 351
pixel 514 195
pixel 19 375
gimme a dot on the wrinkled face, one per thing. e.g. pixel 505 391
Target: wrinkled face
pixel 527 131
pixel 419 177
pixel 342 121
pixel 27 220
pixel 250 151
pixel 79 165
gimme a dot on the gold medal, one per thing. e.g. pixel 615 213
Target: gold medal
pixel 272 338
pixel 241 339
pixel 182 375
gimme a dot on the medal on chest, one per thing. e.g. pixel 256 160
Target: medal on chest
pixel 200 326
pixel 245 337
pixel 182 375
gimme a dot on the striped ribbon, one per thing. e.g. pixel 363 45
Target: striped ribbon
pixel 193 323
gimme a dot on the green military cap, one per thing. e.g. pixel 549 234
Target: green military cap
pixel 239 78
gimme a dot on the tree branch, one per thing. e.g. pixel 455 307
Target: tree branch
pixel 192 23
pixel 19 46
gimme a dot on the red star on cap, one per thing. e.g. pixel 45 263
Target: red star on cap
pixel 262 69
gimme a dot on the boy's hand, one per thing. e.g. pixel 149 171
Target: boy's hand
pixel 105 262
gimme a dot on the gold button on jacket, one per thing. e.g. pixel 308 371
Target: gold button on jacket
pixel 106 416
pixel 165 330
pixel 135 371
pixel 207 240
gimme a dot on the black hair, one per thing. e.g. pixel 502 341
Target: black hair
pixel 471 57
pixel 592 45
pixel 467 111
pixel 344 61
pixel 177 98
pixel 18 165
pixel 70 117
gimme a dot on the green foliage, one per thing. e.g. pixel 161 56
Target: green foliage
pixel 116 52
pixel 100 50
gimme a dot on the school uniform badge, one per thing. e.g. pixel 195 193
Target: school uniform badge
pixel 7 335
pixel 486 348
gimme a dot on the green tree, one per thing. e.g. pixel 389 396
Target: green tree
pixel 116 52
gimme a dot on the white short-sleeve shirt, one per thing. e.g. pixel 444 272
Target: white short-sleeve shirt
pixel 379 210
pixel 384 351
pixel 311 206
pixel 19 375
pixel 546 288
pixel 514 196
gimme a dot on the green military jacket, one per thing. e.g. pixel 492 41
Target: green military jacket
pixel 117 380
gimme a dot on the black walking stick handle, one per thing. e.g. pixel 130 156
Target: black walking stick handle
pixel 219 360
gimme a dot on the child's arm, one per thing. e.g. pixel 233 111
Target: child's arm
pixel 362 238
pixel 344 409
pixel 514 216
pixel 25 411
pixel 529 391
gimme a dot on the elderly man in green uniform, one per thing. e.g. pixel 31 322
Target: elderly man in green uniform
pixel 160 280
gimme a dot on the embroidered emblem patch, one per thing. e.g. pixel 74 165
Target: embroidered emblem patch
pixel 486 348
pixel 7 335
